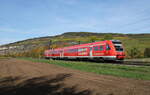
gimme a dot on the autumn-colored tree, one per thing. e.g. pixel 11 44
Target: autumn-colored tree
pixel 36 52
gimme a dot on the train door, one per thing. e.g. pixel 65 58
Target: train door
pixel 62 53
pixel 102 50
pixel 91 51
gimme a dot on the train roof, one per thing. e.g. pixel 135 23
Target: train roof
pixel 82 45
pixel 85 45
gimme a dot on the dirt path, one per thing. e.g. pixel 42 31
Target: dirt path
pixel 20 77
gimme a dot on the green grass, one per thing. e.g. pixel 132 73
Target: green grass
pixel 136 72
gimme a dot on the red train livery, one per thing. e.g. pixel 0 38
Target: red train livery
pixel 105 50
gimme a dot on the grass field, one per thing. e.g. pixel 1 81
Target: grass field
pixel 136 72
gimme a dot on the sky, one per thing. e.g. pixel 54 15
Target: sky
pixel 24 19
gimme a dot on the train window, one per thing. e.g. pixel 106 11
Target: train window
pixel 117 43
pixel 91 48
pixel 107 47
pixel 101 48
pixel 68 50
pixel 96 48
pixel 82 49
pixel 54 52
pixel 72 50
pixel 118 48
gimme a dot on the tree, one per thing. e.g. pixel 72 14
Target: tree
pixel 93 38
pixel 49 44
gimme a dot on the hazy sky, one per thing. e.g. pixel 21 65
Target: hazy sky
pixel 22 19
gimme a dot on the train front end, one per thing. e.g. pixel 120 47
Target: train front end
pixel 119 50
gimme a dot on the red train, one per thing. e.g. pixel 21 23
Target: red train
pixel 103 50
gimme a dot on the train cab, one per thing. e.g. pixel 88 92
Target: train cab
pixel 119 50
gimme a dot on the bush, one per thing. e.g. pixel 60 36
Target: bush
pixel 93 38
pixel 134 53
pixel 147 52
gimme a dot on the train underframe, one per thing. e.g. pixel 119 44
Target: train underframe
pixel 84 58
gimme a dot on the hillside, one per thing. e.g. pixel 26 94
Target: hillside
pixel 139 41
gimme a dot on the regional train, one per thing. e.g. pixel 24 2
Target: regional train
pixel 102 50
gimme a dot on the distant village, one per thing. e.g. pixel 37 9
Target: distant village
pixel 14 49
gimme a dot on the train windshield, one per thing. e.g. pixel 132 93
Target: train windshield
pixel 117 42
pixel 118 48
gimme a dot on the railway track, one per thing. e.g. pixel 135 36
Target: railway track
pixel 139 63
pixel 132 63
